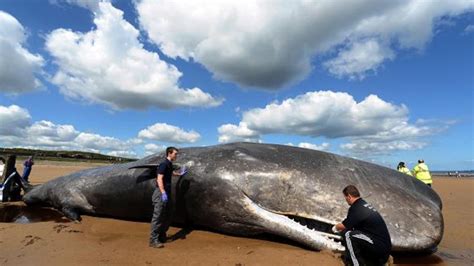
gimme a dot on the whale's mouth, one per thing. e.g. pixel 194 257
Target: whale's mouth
pixel 313 233
pixel 314 226
pixel 320 226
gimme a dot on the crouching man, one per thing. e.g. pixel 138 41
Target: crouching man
pixel 364 232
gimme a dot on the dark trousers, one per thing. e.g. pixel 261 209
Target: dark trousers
pixel 361 249
pixel 26 172
pixel 161 220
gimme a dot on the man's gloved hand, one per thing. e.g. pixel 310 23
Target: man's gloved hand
pixel 334 230
pixel 183 170
pixel 164 197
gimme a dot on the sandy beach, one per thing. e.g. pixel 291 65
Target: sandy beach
pixel 99 241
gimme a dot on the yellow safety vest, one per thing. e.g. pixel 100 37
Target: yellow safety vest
pixel 405 171
pixel 422 172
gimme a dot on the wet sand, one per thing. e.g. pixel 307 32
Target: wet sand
pixel 97 241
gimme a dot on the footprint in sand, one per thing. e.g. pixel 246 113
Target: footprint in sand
pixel 60 227
pixel 74 231
pixel 29 239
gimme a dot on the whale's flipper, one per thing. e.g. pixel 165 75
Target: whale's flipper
pixel 150 172
pixel 71 214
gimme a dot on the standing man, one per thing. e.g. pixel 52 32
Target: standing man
pixel 162 212
pixel 28 164
pixel 422 172
pixel 403 169
pixel 365 234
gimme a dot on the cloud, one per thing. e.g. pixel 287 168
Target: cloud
pixel 269 44
pixel 126 154
pixel 18 66
pixel 46 133
pixel 323 147
pixel 98 142
pixel 14 120
pixel 365 148
pixel 233 133
pixel 403 136
pixel 152 148
pixel 359 58
pixel 469 29
pixel 371 125
pixel 325 113
pixel 168 133
pixel 17 130
pixel 109 66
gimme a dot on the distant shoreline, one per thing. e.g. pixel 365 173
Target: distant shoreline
pixel 62 156
pixel 453 173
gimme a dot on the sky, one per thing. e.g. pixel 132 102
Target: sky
pixel 380 81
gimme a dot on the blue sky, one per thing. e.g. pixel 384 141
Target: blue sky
pixel 382 81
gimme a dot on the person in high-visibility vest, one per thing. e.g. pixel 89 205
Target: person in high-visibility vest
pixel 403 169
pixel 422 172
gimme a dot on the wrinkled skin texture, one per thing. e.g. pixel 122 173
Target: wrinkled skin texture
pixel 248 189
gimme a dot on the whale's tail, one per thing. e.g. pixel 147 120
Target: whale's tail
pixel 72 208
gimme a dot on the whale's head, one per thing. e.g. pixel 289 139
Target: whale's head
pixel 297 193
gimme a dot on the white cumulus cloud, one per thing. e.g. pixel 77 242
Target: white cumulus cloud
pixel 98 142
pixel 14 120
pixel 46 133
pixel 233 133
pixel 402 136
pixel 18 66
pixel 323 147
pixel 366 147
pixel 326 113
pixel 359 58
pixel 152 148
pixel 18 130
pixel 168 133
pixel 269 44
pixel 371 124
pixel 126 154
pixel 109 65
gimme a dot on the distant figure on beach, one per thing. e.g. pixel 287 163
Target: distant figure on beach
pixel 403 169
pixel 422 172
pixel 28 164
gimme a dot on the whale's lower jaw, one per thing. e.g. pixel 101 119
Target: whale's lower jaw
pixel 311 233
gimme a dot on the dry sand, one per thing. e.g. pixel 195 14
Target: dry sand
pixel 98 241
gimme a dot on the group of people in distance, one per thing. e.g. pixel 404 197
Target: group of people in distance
pixel 420 171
